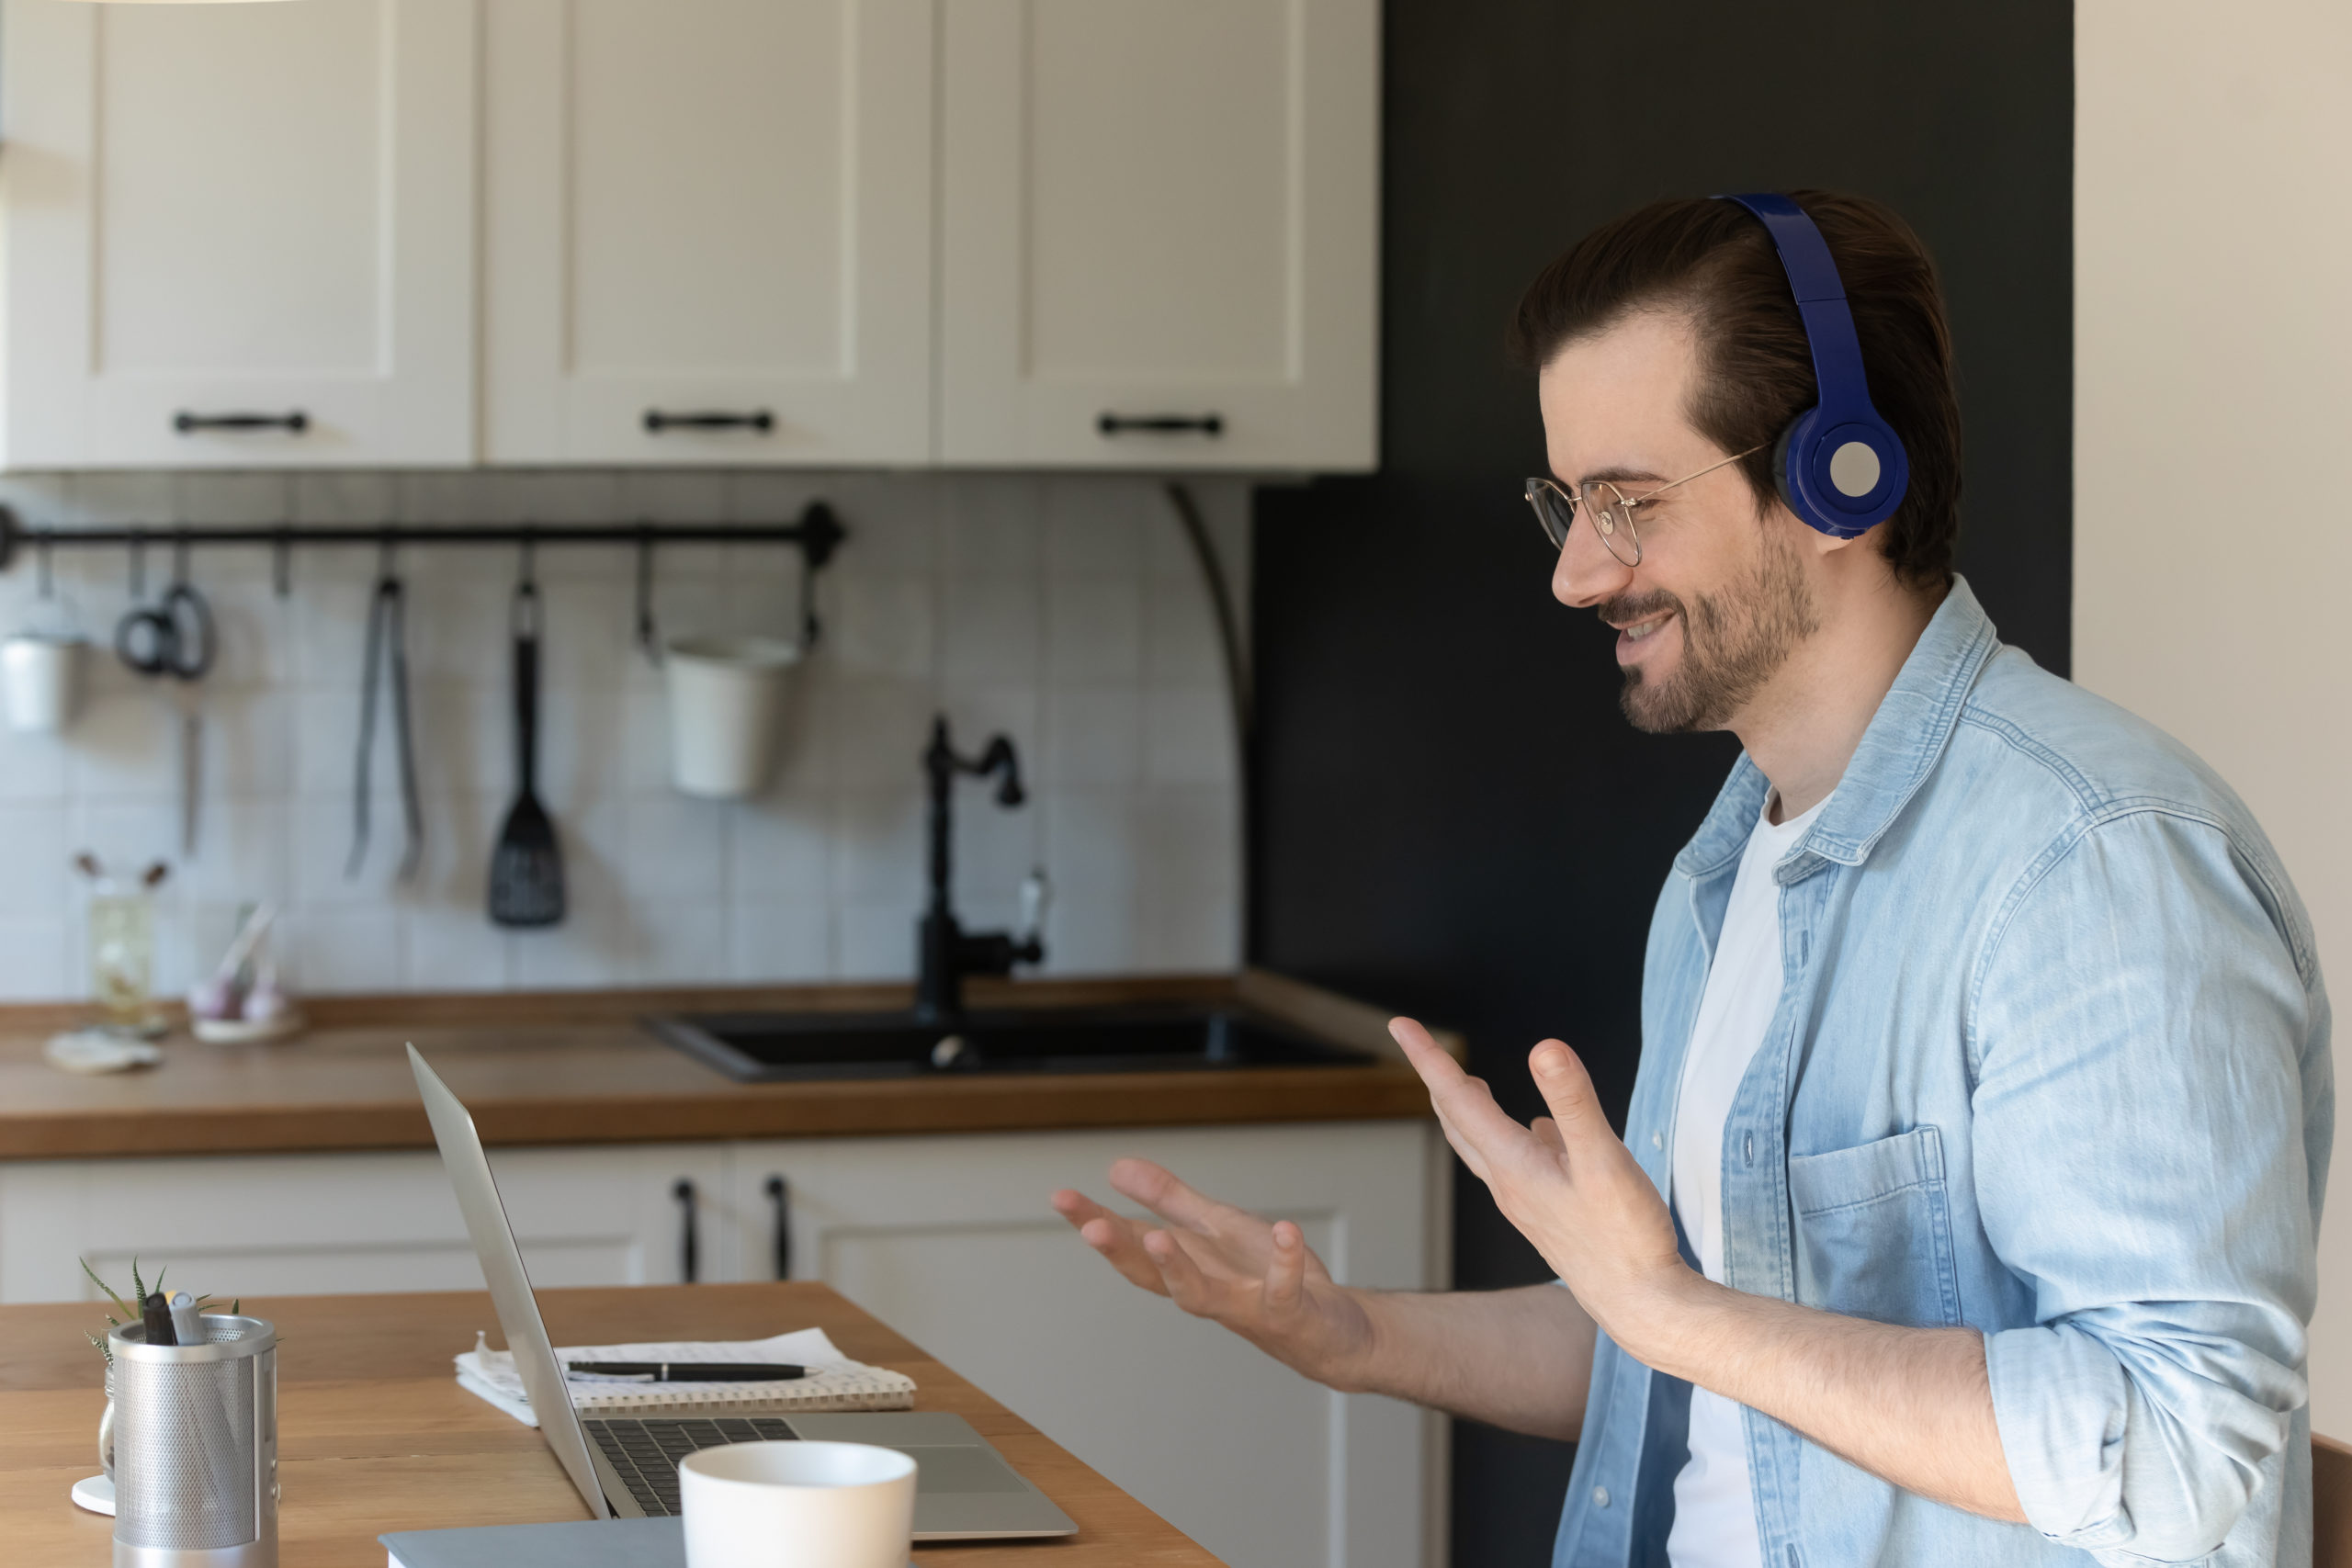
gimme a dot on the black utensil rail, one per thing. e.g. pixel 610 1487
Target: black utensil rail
pixel 817 534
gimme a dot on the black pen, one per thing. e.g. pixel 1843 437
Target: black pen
pixel 689 1372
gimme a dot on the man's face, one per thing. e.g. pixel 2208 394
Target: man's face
pixel 1722 596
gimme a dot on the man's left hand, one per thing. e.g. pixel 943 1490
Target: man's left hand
pixel 1566 1182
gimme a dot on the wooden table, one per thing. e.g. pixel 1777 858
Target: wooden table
pixel 375 1434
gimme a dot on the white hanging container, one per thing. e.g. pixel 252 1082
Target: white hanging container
pixel 728 697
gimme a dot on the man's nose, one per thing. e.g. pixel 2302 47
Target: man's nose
pixel 1586 573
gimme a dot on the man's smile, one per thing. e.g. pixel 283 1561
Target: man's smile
pixel 1632 635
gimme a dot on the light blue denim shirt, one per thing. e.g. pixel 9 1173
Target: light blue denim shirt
pixel 2050 1061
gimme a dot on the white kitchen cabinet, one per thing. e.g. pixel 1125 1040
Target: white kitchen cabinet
pixel 949 1240
pixel 1160 212
pixel 341 1224
pixel 244 212
pixel 707 208
pixel 833 233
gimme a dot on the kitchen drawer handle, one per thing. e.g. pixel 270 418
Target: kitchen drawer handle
pixel 293 424
pixel 658 419
pixel 780 1195
pixel 1107 423
pixel 690 1243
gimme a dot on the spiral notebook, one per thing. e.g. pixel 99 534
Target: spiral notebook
pixel 834 1381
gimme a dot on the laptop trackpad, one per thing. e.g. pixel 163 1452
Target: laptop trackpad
pixel 961 1469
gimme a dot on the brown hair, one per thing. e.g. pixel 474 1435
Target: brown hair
pixel 1714 260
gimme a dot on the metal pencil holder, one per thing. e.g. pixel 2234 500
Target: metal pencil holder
pixel 194 1447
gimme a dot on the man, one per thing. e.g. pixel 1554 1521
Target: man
pixel 1967 1206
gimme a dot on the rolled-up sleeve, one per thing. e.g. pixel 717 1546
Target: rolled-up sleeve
pixel 2151 1111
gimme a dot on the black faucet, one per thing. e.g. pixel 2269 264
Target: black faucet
pixel 945 952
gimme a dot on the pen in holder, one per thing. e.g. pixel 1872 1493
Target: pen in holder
pixel 194 1451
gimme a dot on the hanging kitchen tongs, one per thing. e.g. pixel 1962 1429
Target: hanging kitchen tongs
pixel 386 650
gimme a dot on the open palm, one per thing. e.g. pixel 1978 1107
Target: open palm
pixel 1226 1264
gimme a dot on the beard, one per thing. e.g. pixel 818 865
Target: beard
pixel 1732 643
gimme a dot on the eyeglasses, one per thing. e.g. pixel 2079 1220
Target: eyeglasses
pixel 1610 509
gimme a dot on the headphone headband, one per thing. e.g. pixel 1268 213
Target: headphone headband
pixel 1841 469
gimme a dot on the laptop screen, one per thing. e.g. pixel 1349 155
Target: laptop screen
pixel 510 1287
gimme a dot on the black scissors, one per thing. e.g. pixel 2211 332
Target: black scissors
pixel 174 636
pixel 170 637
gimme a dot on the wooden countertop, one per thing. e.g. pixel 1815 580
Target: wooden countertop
pixel 574 1067
pixel 376 1436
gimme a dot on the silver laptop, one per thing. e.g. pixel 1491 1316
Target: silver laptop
pixel 628 1468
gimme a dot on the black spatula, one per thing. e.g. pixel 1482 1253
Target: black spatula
pixel 527 869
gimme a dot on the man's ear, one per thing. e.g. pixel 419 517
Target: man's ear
pixel 1825 545
pixel 1777 515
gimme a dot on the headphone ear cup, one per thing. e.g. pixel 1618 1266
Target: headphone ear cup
pixel 1801 472
pixel 1788 497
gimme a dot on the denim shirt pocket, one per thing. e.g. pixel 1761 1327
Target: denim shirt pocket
pixel 1874 1231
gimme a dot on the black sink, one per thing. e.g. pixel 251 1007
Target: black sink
pixel 768 1047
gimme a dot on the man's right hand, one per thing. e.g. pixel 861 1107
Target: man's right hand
pixel 1229 1265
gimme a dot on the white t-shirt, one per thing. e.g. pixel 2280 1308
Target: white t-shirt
pixel 1715 1510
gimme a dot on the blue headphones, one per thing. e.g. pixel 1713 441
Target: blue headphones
pixel 1840 466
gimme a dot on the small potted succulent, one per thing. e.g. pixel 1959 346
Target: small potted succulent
pixel 139 1292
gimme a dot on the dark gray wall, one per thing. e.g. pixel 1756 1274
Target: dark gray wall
pixel 1449 814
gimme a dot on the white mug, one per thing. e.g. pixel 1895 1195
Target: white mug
pixel 40 680
pixel 797 1506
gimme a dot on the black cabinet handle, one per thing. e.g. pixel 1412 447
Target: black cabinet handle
pixel 780 1195
pixel 1107 423
pixel 689 1241
pixel 658 419
pixel 293 424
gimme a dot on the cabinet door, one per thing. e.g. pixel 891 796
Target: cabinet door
pixel 305 1224
pixel 1159 210
pixel 949 1240
pixel 708 207
pixel 240 210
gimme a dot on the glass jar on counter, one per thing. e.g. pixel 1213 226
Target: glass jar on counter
pixel 122 961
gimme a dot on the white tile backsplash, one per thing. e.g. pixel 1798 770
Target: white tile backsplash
pixel 993 528
pixel 32 956
pixel 872 939
pixel 245 851
pixel 448 948
pixel 1064 611
pixel 353 947
pixel 100 499
pixel 878 842
pixel 885 625
pixel 1095 629
pixel 780 850
pixel 1094 736
pixel 774 940
pixel 226 498
pixel 123 748
pixel 32 768
pixel 1181 633
pixel 33 873
pixel 1095 526
pixel 1188 735
pixel 343 497
pixel 244 741
pixel 991 628
pixel 39 500
pixel 683 940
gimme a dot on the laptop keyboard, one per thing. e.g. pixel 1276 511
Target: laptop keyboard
pixel 646 1453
